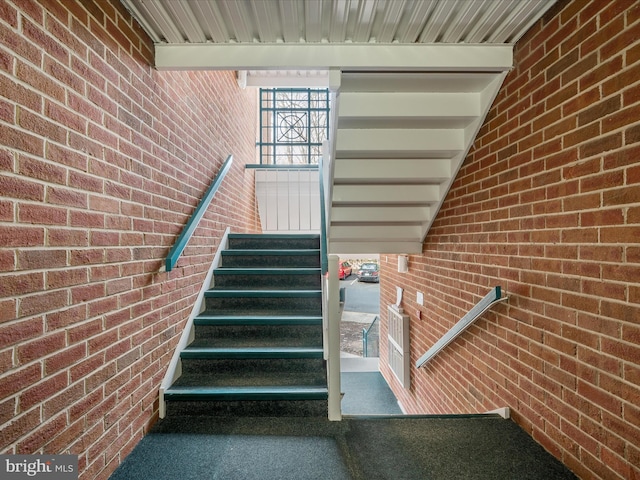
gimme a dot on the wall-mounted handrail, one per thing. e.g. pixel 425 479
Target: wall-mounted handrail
pixel 199 212
pixel 494 296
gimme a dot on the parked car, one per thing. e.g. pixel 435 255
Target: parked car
pixel 369 272
pixel 344 270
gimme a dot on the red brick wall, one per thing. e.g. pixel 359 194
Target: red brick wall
pixel 547 205
pixel 103 159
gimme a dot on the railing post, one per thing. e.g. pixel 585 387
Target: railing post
pixel 333 339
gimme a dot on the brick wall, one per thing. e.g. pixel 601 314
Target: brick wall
pixel 547 205
pixel 102 161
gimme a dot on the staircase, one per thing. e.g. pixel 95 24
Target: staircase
pixel 257 348
pixel 400 139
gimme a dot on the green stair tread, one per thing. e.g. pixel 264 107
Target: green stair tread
pixel 271 251
pixel 263 293
pixel 240 342
pixel 267 271
pixel 252 311
pixel 247 393
pixel 275 236
pixel 231 320
pixel 262 352
pixel 268 350
pixel 253 377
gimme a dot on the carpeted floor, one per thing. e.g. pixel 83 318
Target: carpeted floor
pixel 357 448
pixel 401 448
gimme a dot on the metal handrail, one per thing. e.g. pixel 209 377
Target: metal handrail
pixel 494 296
pixel 365 337
pixel 190 227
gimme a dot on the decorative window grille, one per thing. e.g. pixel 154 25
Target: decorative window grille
pixel 398 338
pixel 293 124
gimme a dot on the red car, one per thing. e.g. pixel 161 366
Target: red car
pixel 344 270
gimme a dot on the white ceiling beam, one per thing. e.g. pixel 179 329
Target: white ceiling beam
pixel 385 194
pixel 416 57
pixel 377 214
pixel 408 104
pixel 417 81
pixel 385 232
pixel 368 246
pixel 400 140
pixel 288 79
pixel 391 170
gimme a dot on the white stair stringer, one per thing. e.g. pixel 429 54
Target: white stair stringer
pixel 400 140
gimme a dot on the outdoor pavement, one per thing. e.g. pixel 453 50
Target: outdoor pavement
pixel 358 317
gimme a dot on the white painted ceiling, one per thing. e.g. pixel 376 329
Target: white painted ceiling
pixel 412 83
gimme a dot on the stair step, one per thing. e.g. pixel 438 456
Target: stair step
pixel 253 310
pixel 266 271
pixel 246 393
pixel 267 278
pixel 271 258
pixel 251 353
pixel 263 332
pixel 312 375
pixel 258 339
pixel 264 301
pixel 247 369
pixel 273 241
pixel 266 293
pixel 236 320
pixel 257 347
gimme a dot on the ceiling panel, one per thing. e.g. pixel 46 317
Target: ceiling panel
pixel 336 21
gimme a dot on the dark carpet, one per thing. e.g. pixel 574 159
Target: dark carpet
pixel 199 448
pixel 365 447
pixel 400 448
